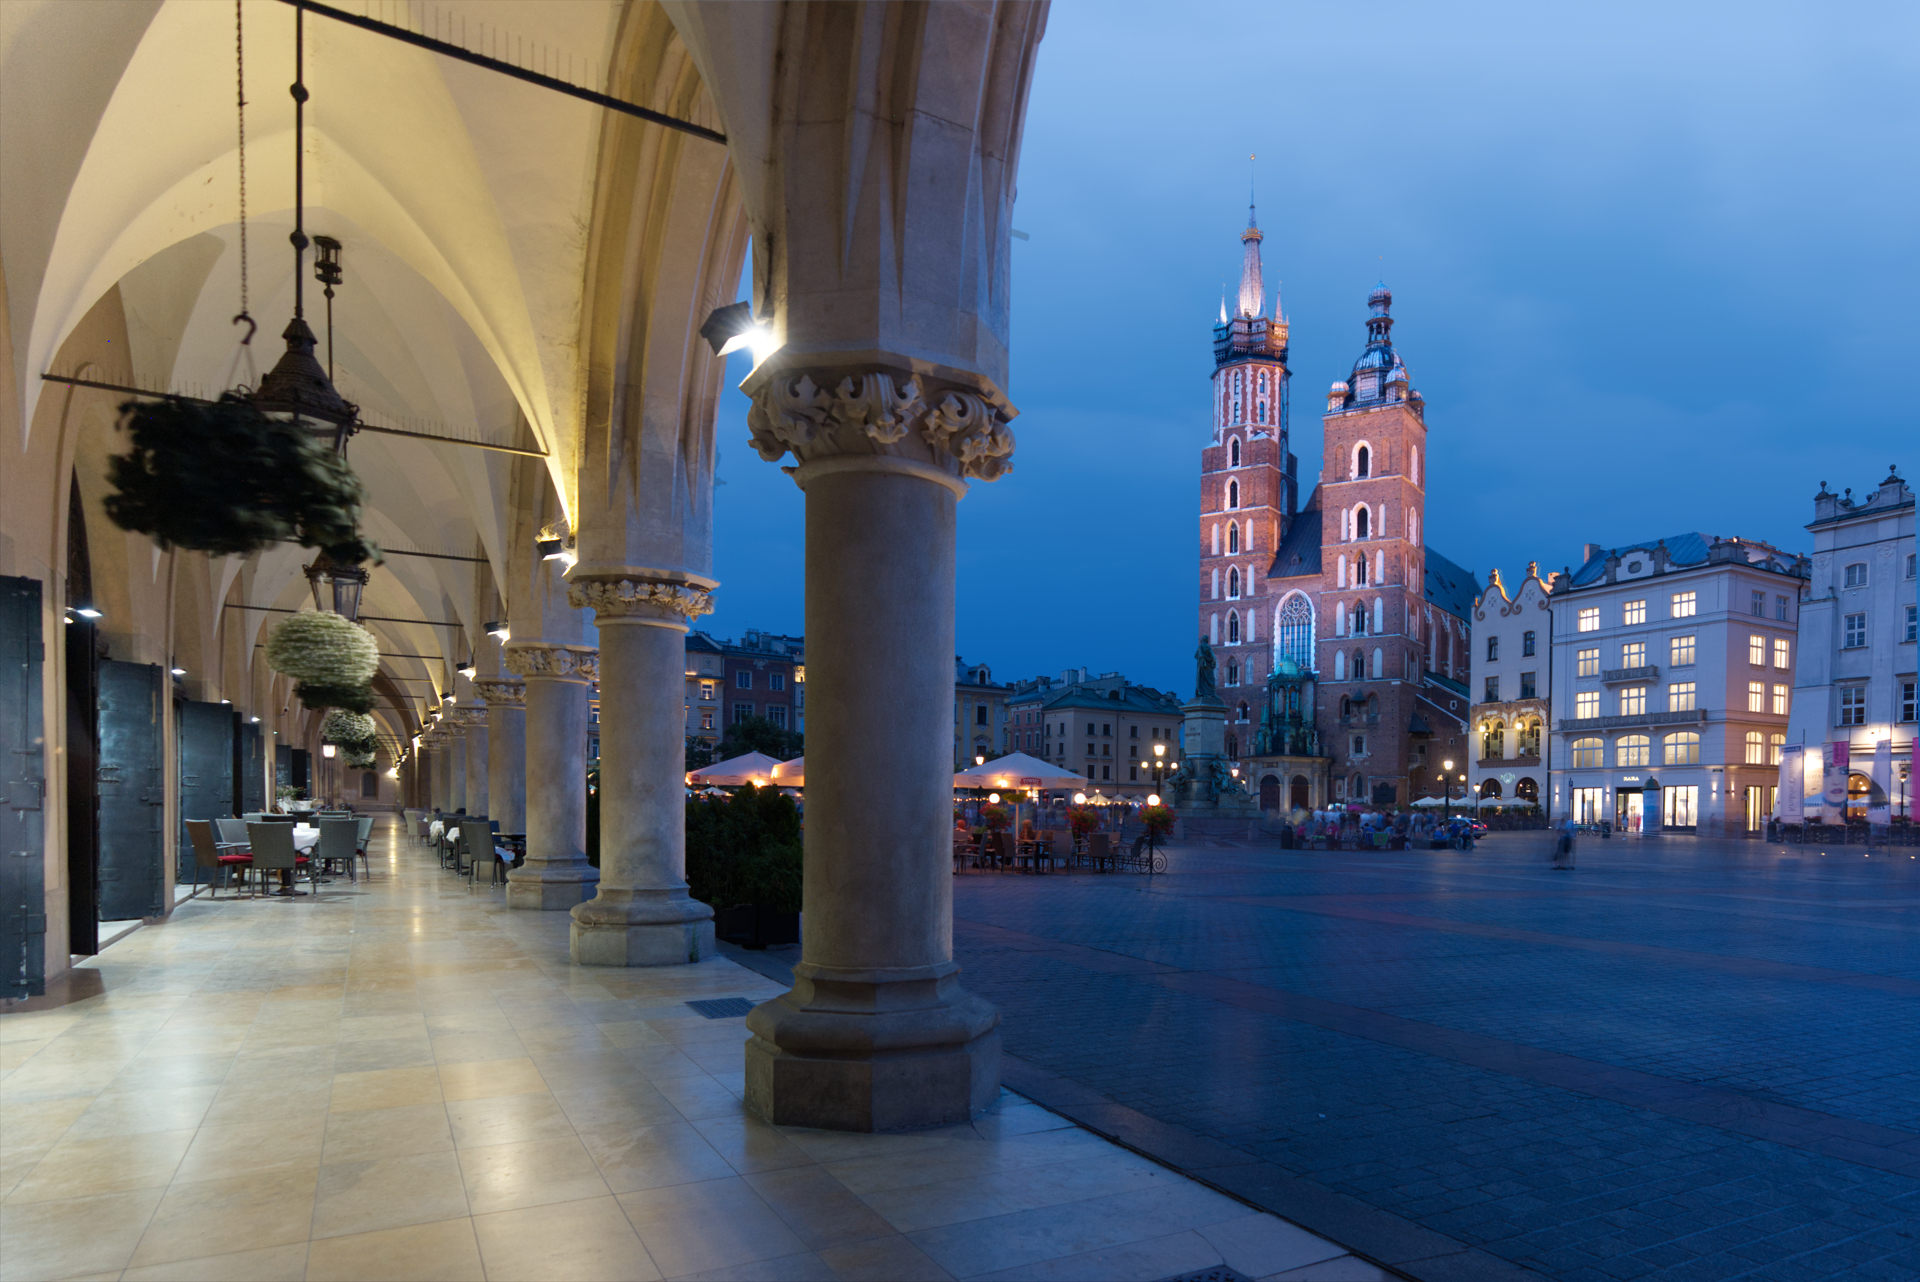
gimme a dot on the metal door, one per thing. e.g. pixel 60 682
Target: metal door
pixel 206 774
pixel 133 793
pixel 252 769
pixel 23 793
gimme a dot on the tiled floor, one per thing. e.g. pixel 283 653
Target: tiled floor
pixel 401 1079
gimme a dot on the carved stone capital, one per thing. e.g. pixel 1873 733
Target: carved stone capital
pixel 615 598
pixel 819 414
pixel 468 718
pixel 502 692
pixel 552 661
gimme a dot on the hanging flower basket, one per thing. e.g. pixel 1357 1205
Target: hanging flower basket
pixel 362 760
pixel 319 647
pixel 319 695
pixel 226 479
pixel 342 726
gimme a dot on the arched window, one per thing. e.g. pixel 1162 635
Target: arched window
pixel 1361 518
pixel 1587 753
pixel 1213 630
pixel 1379 662
pixel 1413 463
pixel 1340 665
pixel 1216 539
pixel 1233 673
pixel 1359 571
pixel 1233 627
pixel 1527 790
pixel 1362 462
pixel 1683 749
pixel 1489 788
pixel 1493 739
pixel 1233 584
pixel 1243 710
pixel 1233 452
pixel 1233 494
pixel 1359 665
pixel 1346 704
pixel 1775 742
pixel 1358 624
pixel 1233 537
pixel 369 784
pixel 1529 737
pixel 1293 631
pixel 1413 527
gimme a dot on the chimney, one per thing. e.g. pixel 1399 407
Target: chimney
pixel 1589 551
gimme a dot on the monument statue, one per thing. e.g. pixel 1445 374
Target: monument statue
pixel 1203 687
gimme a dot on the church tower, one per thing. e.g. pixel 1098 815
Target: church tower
pixel 1248 477
pixel 1373 564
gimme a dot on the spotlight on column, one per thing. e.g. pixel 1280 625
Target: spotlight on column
pixel 498 631
pixel 730 328
pixel 178 672
pixel 469 669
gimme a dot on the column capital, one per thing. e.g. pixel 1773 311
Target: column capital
pixel 881 415
pixel 553 661
pixel 642 597
pixel 502 692
pixel 468 718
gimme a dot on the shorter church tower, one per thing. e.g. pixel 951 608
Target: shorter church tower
pixel 1248 477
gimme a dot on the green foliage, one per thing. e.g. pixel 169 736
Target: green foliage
pixel 699 754
pixel 353 698
pixel 757 734
pixel 342 726
pixel 745 849
pixel 362 760
pixel 227 480
pixel 319 647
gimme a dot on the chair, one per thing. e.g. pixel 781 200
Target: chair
pixel 273 851
pixel 365 823
pixel 1099 850
pixel 476 841
pixel 214 856
pixel 339 840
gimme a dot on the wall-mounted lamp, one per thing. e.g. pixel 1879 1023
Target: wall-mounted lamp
pixel 178 672
pixel 326 750
pixel 86 612
pixel 256 721
pixel 731 328
pixel 469 669
pixel 498 631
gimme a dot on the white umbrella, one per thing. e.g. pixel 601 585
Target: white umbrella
pixel 752 767
pixel 1429 801
pixel 1017 772
pixel 791 774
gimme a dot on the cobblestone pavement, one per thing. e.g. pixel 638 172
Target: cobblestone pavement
pixel 1689 1059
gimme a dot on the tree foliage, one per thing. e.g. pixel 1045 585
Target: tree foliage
pixel 757 734
pixel 744 848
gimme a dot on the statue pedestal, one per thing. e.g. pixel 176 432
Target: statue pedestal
pixel 1207 788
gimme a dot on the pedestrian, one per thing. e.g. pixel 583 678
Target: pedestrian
pixel 1563 845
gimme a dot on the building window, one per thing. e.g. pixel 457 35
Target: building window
pixel 1853 706
pixel 777 714
pixel 1857 575
pixel 706 691
pixel 1526 645
pixel 1233 453
pixel 706 718
pixel 1680 697
pixel 1685 605
pixel 979 714
pixel 1633 750
pixel 1780 607
pixel 1856 632
pixel 1756 696
pixel 1633 654
pixel 1233 628
pixel 1233 584
pixel 1633 701
pixel 1233 673
pixel 1493 649
pixel 1360 519
pixel 1493 740
pixel 1756 748
pixel 1529 745
pixel 776 680
pixel 1680 653
pixel 1906 700
pixel 1633 612
pixel 1590 619
pixel 1295 633
pixel 1233 536
pixel 1910 557
pixel 743 679
pixel 1757 607
pixel 1359 746
pixel 1362 462
pixel 1493 690
pixel 1913 622
pixel 1682 749
pixel 1756 650
pixel 1587 753
pixel 1586 706
pixel 1233 494
pixel 1528 685
pixel 1588 662
pixel 1776 744
pixel 1781 694
pixel 741 711
pixel 1781 653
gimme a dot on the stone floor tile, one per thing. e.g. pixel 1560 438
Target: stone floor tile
pixel 589 1240
pixel 385 1088
pixel 634 1158
pixel 78 1167
pixel 388 1192
pixel 716 1224
pixel 1259 1245
pixel 506 1177
pixel 442 1251
pixel 507 1119
pixel 750 1144
pixel 365 1134
pixel 233 1213
pixel 73 1237
pixel 1147 1260
pixel 818 1207
pixel 265 1264
pixel 1344 1268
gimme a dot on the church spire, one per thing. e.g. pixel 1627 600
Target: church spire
pixel 1253 294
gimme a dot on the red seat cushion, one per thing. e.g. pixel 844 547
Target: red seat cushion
pixel 301 859
pixel 236 859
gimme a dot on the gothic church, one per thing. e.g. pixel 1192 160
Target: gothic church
pixel 1341 637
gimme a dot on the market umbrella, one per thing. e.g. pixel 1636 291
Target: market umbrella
pixel 791 774
pixel 752 767
pixel 1016 772
pixel 1429 801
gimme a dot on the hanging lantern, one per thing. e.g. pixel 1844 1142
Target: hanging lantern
pixel 336 587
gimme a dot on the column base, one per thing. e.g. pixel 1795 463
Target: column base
pixel 871 1051
pixel 641 928
pixel 551 887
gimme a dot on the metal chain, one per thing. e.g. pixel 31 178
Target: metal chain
pixel 240 72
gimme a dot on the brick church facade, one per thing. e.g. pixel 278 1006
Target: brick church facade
pixel 1340 636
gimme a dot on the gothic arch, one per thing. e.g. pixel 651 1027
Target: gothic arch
pixel 1233 539
pixel 1233 452
pixel 1360 460
pixel 1233 583
pixel 1233 627
pixel 1293 630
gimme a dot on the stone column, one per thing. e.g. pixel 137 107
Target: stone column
pixel 642 915
pixel 877 1033
pixel 506 750
pixel 473 726
pixel 436 751
pixel 456 764
pixel 555 874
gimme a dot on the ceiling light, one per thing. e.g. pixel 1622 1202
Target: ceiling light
pixel 179 672
pixel 87 612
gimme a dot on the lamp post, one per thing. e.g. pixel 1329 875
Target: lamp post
pixel 1446 788
pixel 1158 767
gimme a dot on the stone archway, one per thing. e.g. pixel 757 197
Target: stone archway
pixel 1526 789
pixel 1270 792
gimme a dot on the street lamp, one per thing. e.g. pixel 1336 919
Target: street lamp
pixel 1446 788
pixel 1158 767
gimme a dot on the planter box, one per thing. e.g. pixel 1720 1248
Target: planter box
pixel 757 926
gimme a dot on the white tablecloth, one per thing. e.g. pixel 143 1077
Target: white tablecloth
pixel 305 837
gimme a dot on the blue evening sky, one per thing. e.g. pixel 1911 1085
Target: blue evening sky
pixel 1653 267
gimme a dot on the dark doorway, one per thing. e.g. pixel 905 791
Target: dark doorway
pixel 250 769
pixel 1302 795
pixel 23 869
pixel 82 650
pixel 1527 790
pixel 133 791
pixel 205 731
pixel 1270 792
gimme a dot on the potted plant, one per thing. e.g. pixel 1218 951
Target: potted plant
pixel 997 818
pixel 1082 820
pixel 321 648
pixel 1158 821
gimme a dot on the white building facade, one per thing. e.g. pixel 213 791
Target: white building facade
pixel 1512 686
pixel 1853 707
pixel 1672 683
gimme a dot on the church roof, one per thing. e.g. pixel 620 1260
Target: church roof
pixel 1450 587
pixel 1299 552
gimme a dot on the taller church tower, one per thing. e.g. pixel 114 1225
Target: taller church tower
pixel 1248 477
